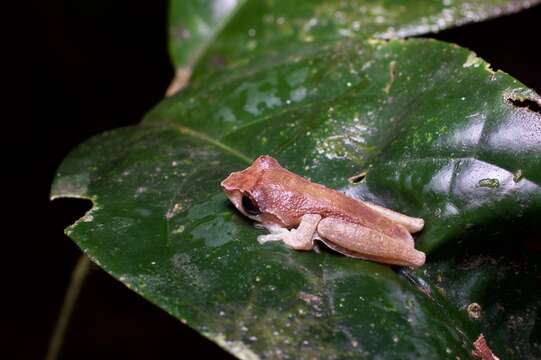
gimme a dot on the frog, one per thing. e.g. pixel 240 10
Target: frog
pixel 299 212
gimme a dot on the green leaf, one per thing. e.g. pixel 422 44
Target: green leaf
pixel 242 28
pixel 501 283
pixel 328 111
pixel 193 25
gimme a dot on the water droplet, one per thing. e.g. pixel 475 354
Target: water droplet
pixel 251 44
pixel 178 230
pixel 298 94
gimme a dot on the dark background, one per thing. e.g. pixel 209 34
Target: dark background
pixel 88 66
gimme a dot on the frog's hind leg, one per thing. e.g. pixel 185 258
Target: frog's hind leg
pixel 361 242
pixel 301 238
pixel 412 224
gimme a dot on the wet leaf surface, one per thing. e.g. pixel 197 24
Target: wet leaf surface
pixel 193 25
pixel 223 32
pixel 428 122
pixel 500 293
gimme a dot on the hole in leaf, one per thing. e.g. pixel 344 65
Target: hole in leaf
pixel 355 179
pixel 69 210
pixel 530 104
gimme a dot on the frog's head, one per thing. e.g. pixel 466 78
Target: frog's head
pixel 240 186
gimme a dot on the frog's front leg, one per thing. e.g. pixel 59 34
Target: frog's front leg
pixel 301 238
pixel 365 243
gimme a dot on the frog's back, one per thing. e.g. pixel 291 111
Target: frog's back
pixel 294 196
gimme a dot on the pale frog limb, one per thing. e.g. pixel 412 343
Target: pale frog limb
pixel 364 243
pixel 301 238
pixel 412 224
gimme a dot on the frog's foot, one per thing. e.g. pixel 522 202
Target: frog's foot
pixel 277 233
pixel 301 238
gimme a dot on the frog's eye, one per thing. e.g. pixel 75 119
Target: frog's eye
pixel 249 206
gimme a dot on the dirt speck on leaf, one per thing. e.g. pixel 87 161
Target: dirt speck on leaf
pixel 474 311
pixel 309 298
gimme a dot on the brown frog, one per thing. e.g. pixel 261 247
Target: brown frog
pixel 297 212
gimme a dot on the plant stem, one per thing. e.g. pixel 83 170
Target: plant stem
pixel 78 277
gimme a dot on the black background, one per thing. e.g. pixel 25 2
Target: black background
pixel 88 66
